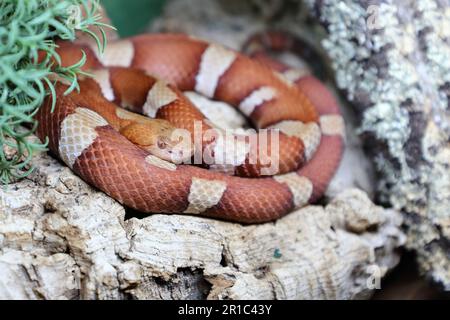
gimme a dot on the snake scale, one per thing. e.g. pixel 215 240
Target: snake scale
pixel 114 150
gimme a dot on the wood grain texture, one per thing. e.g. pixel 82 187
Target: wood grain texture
pixel 61 239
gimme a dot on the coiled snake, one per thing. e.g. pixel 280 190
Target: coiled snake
pixel 125 154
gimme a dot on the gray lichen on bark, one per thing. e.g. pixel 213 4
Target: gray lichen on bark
pixel 397 74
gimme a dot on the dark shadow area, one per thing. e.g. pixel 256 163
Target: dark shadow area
pixel 405 283
pixel 131 213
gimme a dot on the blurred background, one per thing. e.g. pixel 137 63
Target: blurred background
pixel 132 16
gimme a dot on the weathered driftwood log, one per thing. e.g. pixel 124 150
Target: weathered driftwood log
pixel 59 238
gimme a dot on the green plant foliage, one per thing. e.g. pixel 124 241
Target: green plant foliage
pixel 28 62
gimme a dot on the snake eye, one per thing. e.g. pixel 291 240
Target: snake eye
pixel 162 144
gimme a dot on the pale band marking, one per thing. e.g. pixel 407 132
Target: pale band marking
pixel 215 61
pixel 159 96
pixel 255 99
pixel 219 114
pixel 332 124
pixel 118 53
pixel 284 79
pixel 78 133
pixel 300 187
pixel 204 194
pixel 125 114
pixel 309 133
pixel 295 74
pixel 228 150
pixel 160 163
pixel 101 76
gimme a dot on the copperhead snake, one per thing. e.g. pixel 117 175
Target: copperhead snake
pixel 114 149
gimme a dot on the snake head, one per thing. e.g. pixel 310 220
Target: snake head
pixel 170 149
pixel 160 139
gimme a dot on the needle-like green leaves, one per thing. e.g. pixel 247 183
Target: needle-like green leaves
pixel 29 28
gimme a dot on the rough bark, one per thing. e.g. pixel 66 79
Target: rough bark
pixel 392 61
pixel 61 239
